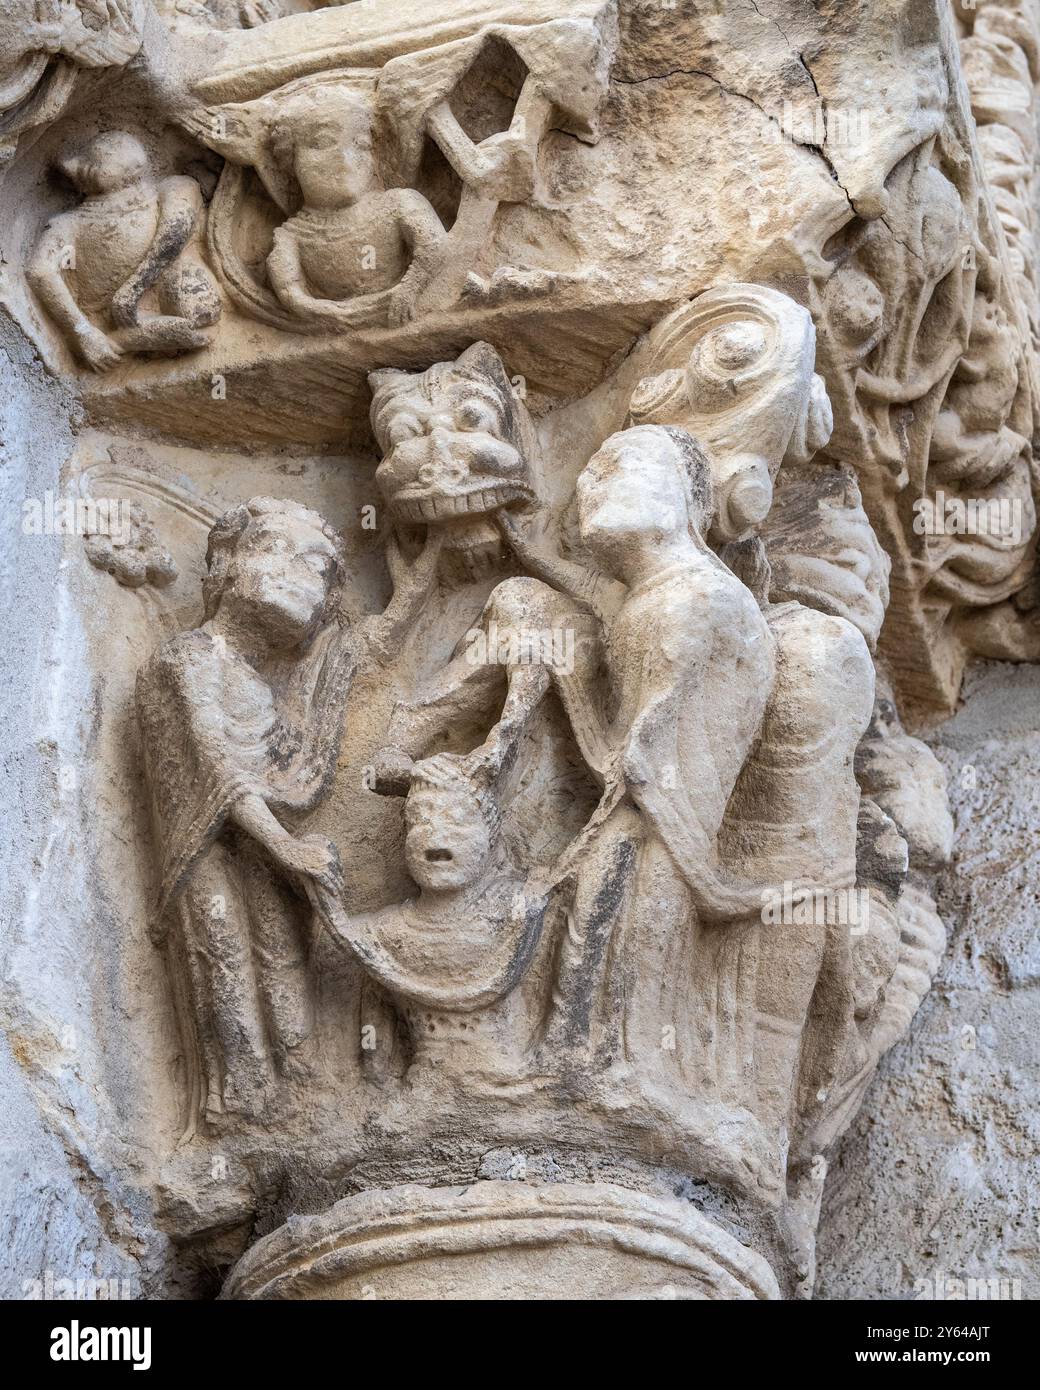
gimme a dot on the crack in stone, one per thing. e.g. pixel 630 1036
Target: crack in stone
pixel 816 149
pixel 770 20
pixel 904 244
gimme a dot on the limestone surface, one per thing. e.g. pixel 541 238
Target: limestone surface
pixel 505 504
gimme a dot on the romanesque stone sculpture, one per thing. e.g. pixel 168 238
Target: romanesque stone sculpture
pixel 44 45
pixel 93 267
pixel 226 750
pixel 132 553
pixel 242 719
pixel 509 880
pixel 737 367
pixel 356 252
pixel 453 956
pixel 454 445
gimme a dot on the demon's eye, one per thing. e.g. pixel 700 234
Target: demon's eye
pixel 403 428
pixel 471 415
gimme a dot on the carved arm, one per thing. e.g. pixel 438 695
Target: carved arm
pixel 46 276
pixel 597 592
pixel 412 585
pixel 311 856
pixel 424 235
pixel 180 202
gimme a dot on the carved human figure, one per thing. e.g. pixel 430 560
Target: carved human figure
pixel 795 811
pixel 93 266
pixel 356 252
pixel 451 957
pixel 241 722
pixel 688 652
pixel 737 368
pixel 242 719
pixel 904 780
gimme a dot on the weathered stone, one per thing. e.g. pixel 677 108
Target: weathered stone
pixel 498 492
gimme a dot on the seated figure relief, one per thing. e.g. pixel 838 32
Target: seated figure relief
pixel 131 238
pixel 392 165
pixel 357 252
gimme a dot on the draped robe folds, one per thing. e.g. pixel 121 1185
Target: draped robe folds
pixel 693 666
pixel 214 732
pixel 451 980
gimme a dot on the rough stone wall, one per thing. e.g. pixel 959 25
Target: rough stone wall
pixel 52 1208
pixel 940 1173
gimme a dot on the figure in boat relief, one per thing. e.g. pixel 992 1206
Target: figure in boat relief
pixel 242 719
pixel 356 253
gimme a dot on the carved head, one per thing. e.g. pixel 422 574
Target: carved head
pixel 278 565
pixel 108 163
pixel 324 136
pixel 451 825
pixel 456 440
pixel 648 482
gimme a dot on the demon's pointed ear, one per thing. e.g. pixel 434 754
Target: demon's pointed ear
pixel 387 378
pixel 481 360
pixel 385 385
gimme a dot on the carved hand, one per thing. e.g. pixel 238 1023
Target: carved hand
pixel 314 856
pixel 401 306
pixel 519 538
pixel 392 768
pixel 98 351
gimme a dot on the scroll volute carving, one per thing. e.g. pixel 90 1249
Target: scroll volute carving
pixel 736 368
pixel 46 44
